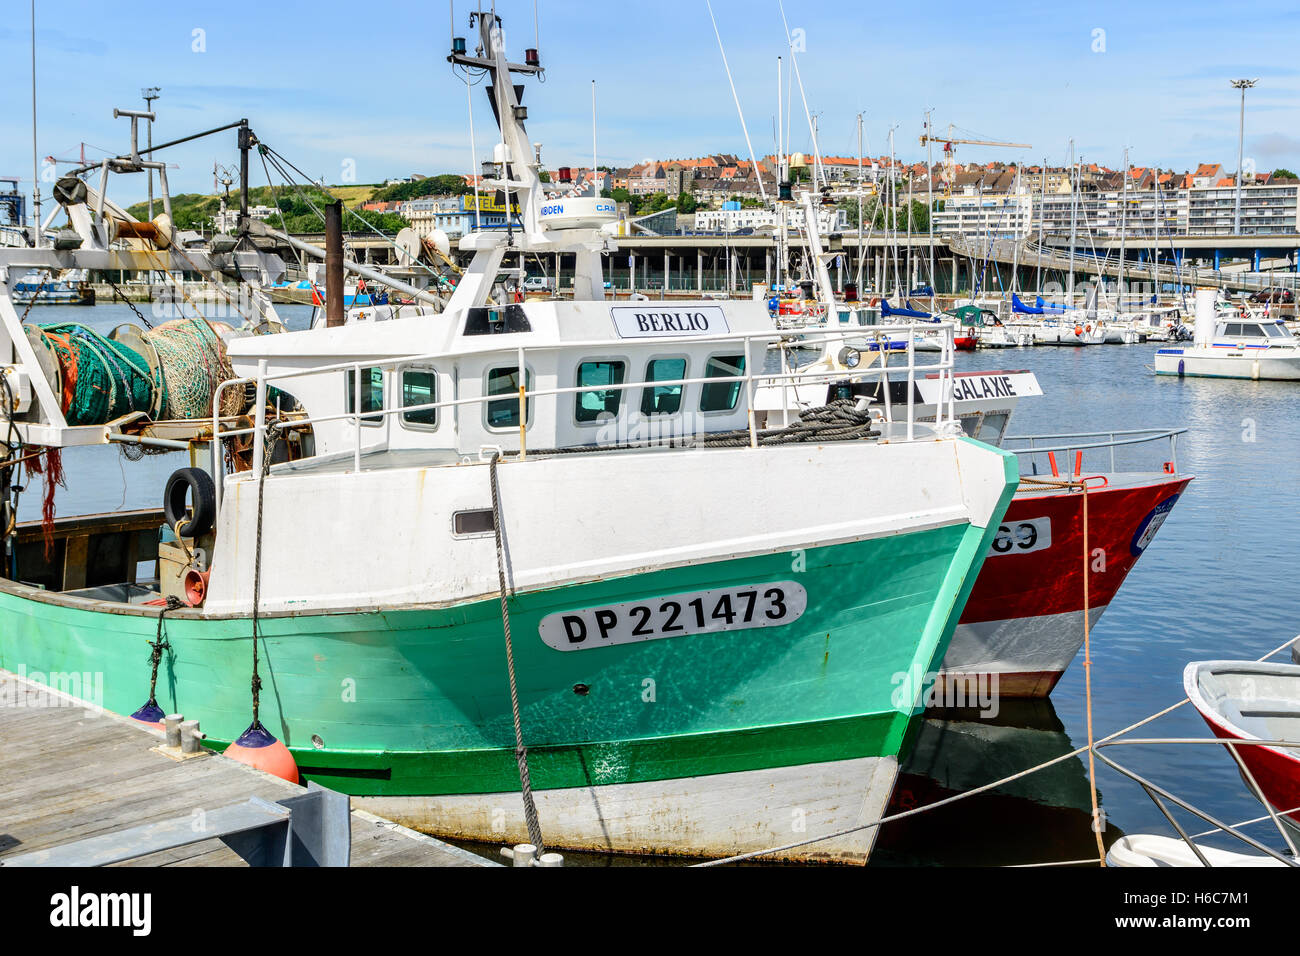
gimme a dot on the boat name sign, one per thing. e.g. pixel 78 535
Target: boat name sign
pixel 1010 385
pixel 633 322
pixel 1022 537
pixel 696 612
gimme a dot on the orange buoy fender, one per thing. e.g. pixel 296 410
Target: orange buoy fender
pixel 257 748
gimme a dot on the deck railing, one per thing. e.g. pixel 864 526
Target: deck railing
pixel 1078 442
pixel 753 344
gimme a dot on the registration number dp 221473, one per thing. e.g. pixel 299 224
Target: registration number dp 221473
pixel 678 615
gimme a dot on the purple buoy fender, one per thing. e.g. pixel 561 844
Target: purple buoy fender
pixel 150 714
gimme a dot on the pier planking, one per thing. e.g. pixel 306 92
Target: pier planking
pixel 68 771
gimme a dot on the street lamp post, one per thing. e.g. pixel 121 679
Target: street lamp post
pixel 150 93
pixel 1242 85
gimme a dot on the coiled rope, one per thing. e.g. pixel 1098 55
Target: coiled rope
pixel 840 420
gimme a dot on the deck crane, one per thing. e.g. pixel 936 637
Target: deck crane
pixel 949 153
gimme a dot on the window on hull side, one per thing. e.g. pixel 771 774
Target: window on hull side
pixel 594 405
pixel 420 387
pixel 372 393
pixel 504 412
pixel 663 399
pixel 722 396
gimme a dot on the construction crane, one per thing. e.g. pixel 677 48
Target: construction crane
pixel 949 153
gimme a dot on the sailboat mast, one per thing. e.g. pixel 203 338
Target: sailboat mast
pixel 1015 250
pixel 1074 210
pixel 1042 200
pixel 861 251
pixel 1123 235
pixel 929 198
pixel 780 178
pixel 893 207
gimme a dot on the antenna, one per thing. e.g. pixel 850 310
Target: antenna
pixel 794 60
pixel 593 140
pixel 752 158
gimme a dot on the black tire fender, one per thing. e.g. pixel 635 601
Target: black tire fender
pixel 198 486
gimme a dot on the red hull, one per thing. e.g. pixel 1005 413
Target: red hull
pixel 965 343
pixel 1277 773
pixel 1024 619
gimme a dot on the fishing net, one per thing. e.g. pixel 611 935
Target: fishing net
pixel 105 379
pixel 193 361
pixel 102 380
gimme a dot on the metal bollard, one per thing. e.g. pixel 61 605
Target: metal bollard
pixel 550 859
pixel 524 854
pixel 172 726
pixel 190 737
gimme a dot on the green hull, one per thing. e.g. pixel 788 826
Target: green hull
pixel 415 702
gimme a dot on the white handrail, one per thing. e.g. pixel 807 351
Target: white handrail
pixel 944 366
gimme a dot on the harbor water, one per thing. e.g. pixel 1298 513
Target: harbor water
pixel 1219 581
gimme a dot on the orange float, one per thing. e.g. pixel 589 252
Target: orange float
pixel 257 748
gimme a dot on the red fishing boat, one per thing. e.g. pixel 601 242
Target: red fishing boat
pixel 1023 624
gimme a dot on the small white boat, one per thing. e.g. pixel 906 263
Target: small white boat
pixel 1005 337
pixel 1248 700
pixel 1147 850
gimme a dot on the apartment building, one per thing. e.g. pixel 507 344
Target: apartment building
pixel 1265 210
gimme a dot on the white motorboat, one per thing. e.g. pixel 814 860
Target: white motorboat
pixel 1241 345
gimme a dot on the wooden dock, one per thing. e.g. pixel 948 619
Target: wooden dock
pixel 68 772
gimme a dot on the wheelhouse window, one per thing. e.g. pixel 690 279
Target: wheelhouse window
pixel 722 396
pixel 419 387
pixel 1276 331
pixel 663 399
pixel 992 427
pixel 504 412
pixel 372 393
pixel 1232 330
pixel 592 406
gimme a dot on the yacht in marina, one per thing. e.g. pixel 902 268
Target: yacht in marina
pixel 1233 345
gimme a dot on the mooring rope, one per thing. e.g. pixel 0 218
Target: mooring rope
pixel 521 752
pixel 1087 678
pixel 158 645
pixel 955 798
pixel 268 442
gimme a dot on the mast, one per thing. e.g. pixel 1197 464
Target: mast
pixel 893 208
pixel 929 218
pixel 780 180
pixel 1123 235
pixel 36 168
pixel 1042 200
pixel 1015 249
pixel 1074 209
pixel 860 205
pixel 909 234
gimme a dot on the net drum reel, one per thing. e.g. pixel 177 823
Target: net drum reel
pixel 46 359
pixel 134 338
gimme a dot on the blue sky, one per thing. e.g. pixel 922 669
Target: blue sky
pixel 335 81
